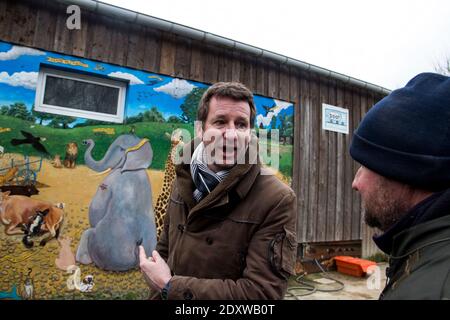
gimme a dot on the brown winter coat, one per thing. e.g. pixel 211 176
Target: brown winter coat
pixel 239 242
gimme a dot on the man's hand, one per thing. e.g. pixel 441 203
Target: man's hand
pixel 155 269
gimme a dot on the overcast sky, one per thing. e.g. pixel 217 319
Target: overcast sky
pixel 382 42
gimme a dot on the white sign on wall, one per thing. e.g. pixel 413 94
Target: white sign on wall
pixel 335 118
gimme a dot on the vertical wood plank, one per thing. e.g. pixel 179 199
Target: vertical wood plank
pixel 92 45
pixel 135 56
pixel 252 75
pixel 245 71
pixel 183 58
pixel 321 227
pixel 45 28
pixel 5 23
pixel 152 50
pixel 356 213
pixel 284 83
pixel 224 66
pixel 261 75
pixel 236 67
pixel 21 22
pixel 79 37
pixel 140 48
pixel 348 204
pixel 167 63
pixel 119 36
pixel 340 173
pixel 196 67
pixel 273 80
pixel 294 96
pixel 27 24
pixel 211 68
pixel 104 40
pixel 63 36
pixel 314 160
pixel 332 171
pixel 305 147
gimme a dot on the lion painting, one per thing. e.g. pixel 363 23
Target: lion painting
pixel 71 155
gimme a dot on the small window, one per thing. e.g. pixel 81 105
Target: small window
pixel 80 95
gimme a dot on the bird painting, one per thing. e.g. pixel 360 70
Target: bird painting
pixel 30 139
pixel 154 80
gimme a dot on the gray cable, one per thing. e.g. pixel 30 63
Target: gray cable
pixel 310 287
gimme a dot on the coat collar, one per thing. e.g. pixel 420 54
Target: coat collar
pixel 428 221
pixel 422 235
pixel 240 179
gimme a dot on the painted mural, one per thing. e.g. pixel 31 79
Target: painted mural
pixel 78 195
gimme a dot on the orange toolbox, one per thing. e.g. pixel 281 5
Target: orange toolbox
pixel 353 266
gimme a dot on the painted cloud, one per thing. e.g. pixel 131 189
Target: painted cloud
pixel 279 106
pixel 176 88
pixel 24 79
pixel 264 120
pixel 127 76
pixel 17 51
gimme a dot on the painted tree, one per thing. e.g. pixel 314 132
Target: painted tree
pixel 61 122
pixel 134 119
pixel 286 127
pixel 190 105
pixel 42 116
pixel 153 115
pixel 19 110
pixel 174 119
pixel 4 110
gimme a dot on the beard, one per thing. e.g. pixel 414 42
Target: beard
pixel 384 208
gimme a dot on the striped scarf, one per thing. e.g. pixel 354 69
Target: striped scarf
pixel 204 178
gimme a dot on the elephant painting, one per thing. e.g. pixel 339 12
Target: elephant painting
pixel 120 214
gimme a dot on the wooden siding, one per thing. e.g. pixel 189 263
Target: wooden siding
pixel 328 209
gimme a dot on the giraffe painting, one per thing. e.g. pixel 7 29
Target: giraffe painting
pixel 169 176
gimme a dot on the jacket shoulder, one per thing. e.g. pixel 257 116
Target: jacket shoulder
pixel 269 193
pixel 269 184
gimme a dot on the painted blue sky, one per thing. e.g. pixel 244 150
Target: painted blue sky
pixel 19 67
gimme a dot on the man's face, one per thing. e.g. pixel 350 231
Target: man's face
pixel 226 132
pixel 384 201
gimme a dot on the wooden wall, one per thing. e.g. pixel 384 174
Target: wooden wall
pixel 328 209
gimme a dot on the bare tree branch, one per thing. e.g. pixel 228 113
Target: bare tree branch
pixel 443 67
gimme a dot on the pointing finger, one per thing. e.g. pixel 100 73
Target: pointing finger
pixel 142 254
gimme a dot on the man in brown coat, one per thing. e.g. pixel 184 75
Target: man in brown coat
pixel 230 228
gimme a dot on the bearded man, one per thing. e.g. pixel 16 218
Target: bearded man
pixel 403 145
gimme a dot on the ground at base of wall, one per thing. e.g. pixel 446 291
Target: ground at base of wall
pixel 366 288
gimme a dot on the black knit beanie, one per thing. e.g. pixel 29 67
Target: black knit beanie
pixel 406 135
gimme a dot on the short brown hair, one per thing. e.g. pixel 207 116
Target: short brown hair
pixel 233 90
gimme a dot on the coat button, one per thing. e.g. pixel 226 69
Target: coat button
pixel 187 295
pixel 209 241
pixel 181 227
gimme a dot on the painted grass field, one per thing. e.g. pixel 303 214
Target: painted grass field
pixel 56 140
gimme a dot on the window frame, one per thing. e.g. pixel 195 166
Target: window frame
pixel 40 106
